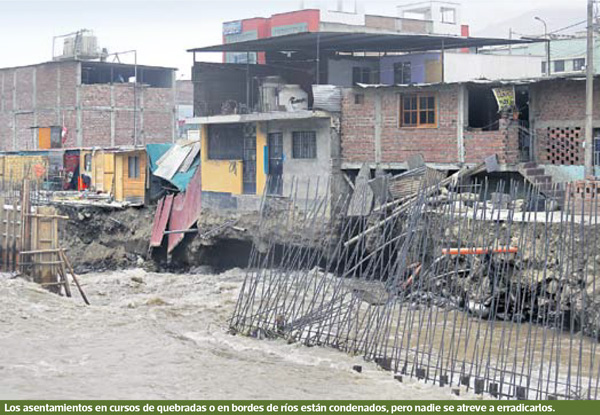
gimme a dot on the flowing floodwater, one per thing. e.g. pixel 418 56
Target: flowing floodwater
pixel 163 336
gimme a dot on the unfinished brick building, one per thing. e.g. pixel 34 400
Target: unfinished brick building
pixel 86 104
pixel 448 124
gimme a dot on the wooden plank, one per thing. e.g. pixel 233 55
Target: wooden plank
pixel 189 160
pixel 16 229
pixel 46 240
pixel 75 279
pixel 2 237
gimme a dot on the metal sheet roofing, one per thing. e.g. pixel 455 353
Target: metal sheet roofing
pixel 357 42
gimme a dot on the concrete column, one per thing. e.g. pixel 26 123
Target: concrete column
pixel 2 104
pixel 142 133
pixel 113 120
pixel 378 127
pixel 34 100
pixel 14 126
pixel 174 120
pixel 463 102
pixel 78 106
pixel 58 109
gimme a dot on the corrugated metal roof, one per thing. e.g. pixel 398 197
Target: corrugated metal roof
pixel 186 210
pixel 161 218
pixel 357 42
pixel 499 82
pixel 180 179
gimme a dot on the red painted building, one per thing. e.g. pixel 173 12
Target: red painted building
pixel 261 27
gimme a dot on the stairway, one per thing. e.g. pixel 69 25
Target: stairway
pixel 536 175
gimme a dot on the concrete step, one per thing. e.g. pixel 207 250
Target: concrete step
pixel 530 165
pixel 535 171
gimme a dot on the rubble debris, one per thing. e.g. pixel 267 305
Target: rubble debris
pixel 441 285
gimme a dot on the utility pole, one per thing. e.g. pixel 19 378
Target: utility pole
pixel 589 93
pixel 547 43
pixel 510 33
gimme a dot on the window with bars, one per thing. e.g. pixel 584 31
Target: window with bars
pixel 418 110
pixel 304 145
pixel 402 73
pixel 133 167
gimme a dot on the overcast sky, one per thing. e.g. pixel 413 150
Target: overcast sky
pixel 162 30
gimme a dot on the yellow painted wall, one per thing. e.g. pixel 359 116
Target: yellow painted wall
pixel 18 167
pixel 98 171
pixel 109 172
pixel 261 143
pixel 127 188
pixel 219 175
pixel 119 177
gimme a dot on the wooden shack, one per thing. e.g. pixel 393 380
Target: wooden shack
pixel 119 172
pixel 17 166
pixel 130 176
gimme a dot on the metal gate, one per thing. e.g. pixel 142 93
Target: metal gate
pixel 249 160
pixel 275 143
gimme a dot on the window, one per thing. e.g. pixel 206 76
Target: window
pixel 418 110
pixel 87 162
pixel 359 99
pixel 543 67
pixel 226 142
pixel 579 64
pixel 361 75
pixel 448 15
pixel 559 66
pixel 133 167
pixel 402 73
pixel 304 145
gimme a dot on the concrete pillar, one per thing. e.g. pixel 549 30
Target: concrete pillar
pixel 463 102
pixel 378 127
pixel 14 126
pixel 174 120
pixel 113 120
pixel 34 102
pixel 78 106
pixel 58 102
pixel 142 133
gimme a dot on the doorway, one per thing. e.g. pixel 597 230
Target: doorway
pixel 275 146
pixel 249 160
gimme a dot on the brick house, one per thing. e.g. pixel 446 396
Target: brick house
pixel 450 124
pixel 558 124
pixel 346 118
pixel 86 103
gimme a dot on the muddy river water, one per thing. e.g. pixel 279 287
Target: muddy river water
pixel 163 336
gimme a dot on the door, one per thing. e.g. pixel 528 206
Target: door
pixel 596 147
pixel 249 160
pixel 275 146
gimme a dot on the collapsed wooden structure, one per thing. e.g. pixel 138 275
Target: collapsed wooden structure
pixel 30 242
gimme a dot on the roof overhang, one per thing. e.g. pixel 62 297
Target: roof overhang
pixel 259 116
pixel 357 42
